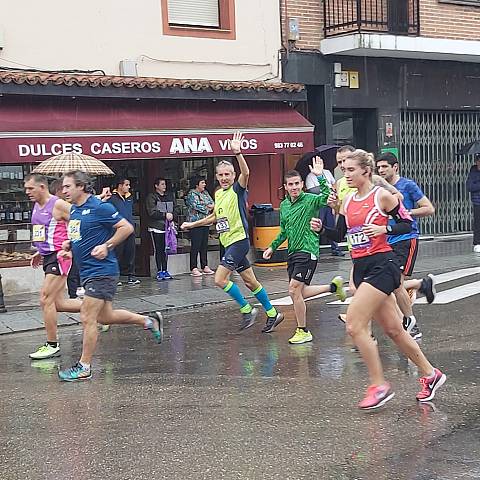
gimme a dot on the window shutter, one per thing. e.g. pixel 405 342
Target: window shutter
pixel 203 13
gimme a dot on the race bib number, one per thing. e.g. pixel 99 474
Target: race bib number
pixel 358 239
pixel 222 225
pixel 38 233
pixel 74 230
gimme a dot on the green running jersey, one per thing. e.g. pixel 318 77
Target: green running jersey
pixel 295 221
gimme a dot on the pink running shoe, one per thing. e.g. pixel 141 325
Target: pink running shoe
pixel 430 385
pixel 377 395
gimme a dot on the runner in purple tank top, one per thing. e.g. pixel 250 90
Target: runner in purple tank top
pixel 49 222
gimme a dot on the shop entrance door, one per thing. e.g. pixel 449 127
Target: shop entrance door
pixel 429 142
pixel 357 127
pixel 135 172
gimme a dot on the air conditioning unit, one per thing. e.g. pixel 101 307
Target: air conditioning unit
pixel 128 68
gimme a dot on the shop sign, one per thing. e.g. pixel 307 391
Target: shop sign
pixel 35 147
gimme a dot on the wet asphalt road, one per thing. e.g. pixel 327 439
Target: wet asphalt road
pixel 213 403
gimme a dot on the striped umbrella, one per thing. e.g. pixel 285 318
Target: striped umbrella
pixel 60 164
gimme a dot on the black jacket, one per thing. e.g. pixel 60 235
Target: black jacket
pixel 157 207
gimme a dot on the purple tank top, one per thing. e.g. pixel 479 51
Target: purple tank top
pixel 48 233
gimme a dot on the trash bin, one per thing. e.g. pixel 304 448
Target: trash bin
pixel 266 226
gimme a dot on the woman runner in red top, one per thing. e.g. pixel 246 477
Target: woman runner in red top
pixel 364 217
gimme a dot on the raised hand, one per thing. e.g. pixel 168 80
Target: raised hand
pixel 236 143
pixel 317 166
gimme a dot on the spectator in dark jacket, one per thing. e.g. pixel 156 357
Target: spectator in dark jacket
pixel 122 200
pixel 160 206
pixel 473 186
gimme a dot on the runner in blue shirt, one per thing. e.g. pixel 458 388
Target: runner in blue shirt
pixel 94 230
pixel 405 246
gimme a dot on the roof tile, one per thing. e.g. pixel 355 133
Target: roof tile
pixel 39 78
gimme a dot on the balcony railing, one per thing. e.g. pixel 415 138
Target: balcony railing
pixel 397 17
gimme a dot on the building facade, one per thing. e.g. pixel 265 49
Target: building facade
pixel 153 91
pixel 394 74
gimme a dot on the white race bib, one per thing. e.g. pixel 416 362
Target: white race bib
pixel 357 238
pixel 38 233
pixel 222 225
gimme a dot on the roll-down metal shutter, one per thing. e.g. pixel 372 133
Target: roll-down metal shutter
pixel 203 13
pixel 429 142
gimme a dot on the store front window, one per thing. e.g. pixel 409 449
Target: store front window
pixel 15 214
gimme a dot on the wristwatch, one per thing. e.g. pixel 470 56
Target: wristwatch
pixel 389 229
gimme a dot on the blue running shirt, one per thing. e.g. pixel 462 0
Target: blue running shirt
pixel 91 224
pixel 411 195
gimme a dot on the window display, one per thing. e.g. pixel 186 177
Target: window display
pixel 15 214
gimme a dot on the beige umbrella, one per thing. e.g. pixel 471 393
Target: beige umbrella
pixel 66 162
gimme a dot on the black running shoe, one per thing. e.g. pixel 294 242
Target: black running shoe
pixel 428 288
pixel 248 319
pixel 409 323
pixel 272 322
pixel 415 333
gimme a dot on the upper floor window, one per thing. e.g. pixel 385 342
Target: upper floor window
pixel 205 13
pixel 199 18
pixel 475 3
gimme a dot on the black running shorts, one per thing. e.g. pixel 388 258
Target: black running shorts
pixel 50 264
pixel 301 267
pixel 406 254
pixel 381 271
pixel 103 288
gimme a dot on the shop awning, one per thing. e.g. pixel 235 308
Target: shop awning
pixel 142 131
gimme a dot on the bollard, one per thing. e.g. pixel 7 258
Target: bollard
pixel 2 301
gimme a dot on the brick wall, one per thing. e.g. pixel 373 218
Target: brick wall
pixel 443 20
pixel 440 20
pixel 310 16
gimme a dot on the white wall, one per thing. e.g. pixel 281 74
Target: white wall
pixel 97 34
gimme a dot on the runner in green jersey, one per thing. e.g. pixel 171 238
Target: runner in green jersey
pixel 231 218
pixel 296 211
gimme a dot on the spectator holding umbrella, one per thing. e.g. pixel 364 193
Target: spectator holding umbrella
pixel 200 205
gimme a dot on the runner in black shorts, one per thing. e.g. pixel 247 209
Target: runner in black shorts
pixel 406 255
pixel 365 216
pixel 296 212
pixel 94 230
pixel 405 246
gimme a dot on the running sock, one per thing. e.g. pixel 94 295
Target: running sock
pixel 233 290
pixel 262 296
pixel 86 366
pixel 148 323
pixel 246 308
pixel 333 288
pixel 432 374
pixel 305 329
pixel 53 344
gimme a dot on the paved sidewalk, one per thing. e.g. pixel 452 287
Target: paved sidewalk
pixel 436 256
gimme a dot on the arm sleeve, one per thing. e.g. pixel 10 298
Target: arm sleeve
pixel 337 234
pixel 108 215
pixel 416 192
pixel 282 235
pixel 403 221
pixel 321 198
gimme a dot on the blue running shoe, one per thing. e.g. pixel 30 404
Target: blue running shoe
pixel 166 275
pixel 76 373
pixel 160 275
